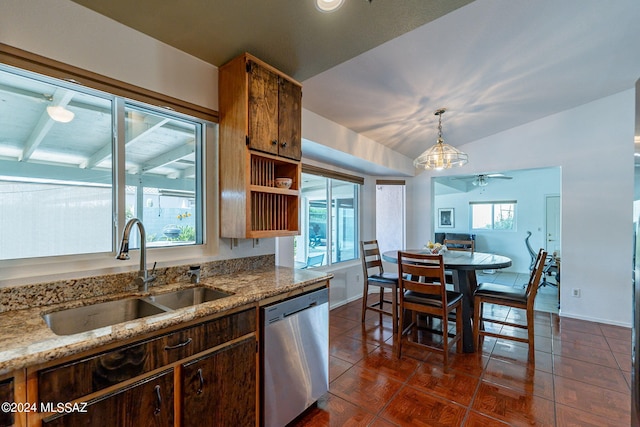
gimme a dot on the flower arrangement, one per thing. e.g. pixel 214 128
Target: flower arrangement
pixel 435 248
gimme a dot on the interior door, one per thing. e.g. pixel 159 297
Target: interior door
pixel 553 224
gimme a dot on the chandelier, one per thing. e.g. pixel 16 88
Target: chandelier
pixel 441 155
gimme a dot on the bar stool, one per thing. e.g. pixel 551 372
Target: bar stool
pixel 374 275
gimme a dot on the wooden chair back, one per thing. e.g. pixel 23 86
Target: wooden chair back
pixel 370 256
pixel 460 245
pixel 422 273
pixel 535 276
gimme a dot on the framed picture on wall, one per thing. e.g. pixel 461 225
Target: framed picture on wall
pixel 446 217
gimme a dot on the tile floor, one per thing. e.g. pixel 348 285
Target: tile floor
pixel 580 377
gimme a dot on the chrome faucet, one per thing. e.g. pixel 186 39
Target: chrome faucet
pixel 144 277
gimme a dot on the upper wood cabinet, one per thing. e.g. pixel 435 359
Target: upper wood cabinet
pixel 275 112
pixel 260 140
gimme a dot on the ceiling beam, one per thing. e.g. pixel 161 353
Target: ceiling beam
pixel 61 97
pixel 169 157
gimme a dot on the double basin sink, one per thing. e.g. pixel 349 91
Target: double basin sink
pixel 89 317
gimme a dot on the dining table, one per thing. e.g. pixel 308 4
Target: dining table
pixel 463 266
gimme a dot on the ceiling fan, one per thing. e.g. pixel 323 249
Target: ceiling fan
pixel 482 180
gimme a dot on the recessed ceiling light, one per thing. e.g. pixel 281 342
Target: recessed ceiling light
pixel 328 5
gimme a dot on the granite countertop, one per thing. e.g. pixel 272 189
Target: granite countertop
pixel 26 340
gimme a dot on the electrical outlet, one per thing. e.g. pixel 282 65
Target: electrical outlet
pixel 357 278
pixel 575 292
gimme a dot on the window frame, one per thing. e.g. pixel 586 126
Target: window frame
pixel 330 177
pixel 493 206
pixel 16 270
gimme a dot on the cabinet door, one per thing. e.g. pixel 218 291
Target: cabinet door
pixel 263 109
pixel 290 120
pixel 6 395
pixel 221 387
pixel 148 403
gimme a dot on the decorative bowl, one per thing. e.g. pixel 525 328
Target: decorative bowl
pixel 283 182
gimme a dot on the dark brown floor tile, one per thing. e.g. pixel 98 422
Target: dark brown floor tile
pixel 373 333
pixel 523 378
pixel 469 363
pixel 350 349
pixel 570 417
pixel 350 312
pixel 475 419
pixel 449 384
pixel 590 373
pixel 568 324
pixel 582 338
pixel 617 332
pixel 619 346
pixel 337 367
pixel 332 411
pixel 623 360
pixel 515 352
pixel 368 389
pixel 513 407
pixel 411 407
pixel 384 361
pixel 379 422
pixel 488 343
pixel 593 399
pixel 586 353
pixel 342 325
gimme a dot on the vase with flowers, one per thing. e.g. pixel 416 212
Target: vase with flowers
pixel 435 248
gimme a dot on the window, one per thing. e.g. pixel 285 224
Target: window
pixel 57 191
pixel 329 219
pixel 493 215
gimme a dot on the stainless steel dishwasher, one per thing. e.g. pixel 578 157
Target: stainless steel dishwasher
pixel 296 356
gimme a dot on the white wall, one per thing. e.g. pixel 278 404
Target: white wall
pixel 593 145
pixel 529 189
pixel 70 33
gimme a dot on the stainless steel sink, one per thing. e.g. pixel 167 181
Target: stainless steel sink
pixel 188 297
pixel 89 317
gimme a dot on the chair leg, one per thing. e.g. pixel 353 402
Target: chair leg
pixel 477 315
pixel 364 299
pixel 459 328
pixel 397 336
pixel 445 338
pixel 530 333
pixel 381 303
pixel 394 308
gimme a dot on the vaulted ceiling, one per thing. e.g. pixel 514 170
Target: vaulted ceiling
pixel 381 68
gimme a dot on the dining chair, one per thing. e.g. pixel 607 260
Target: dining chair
pixel 514 297
pixel 460 245
pixel 374 275
pixel 315 260
pixel 423 291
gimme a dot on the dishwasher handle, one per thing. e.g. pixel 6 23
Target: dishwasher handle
pixel 314 303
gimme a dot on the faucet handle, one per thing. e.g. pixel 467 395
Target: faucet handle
pixel 153 270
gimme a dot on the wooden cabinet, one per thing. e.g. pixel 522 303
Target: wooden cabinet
pixel 260 140
pixel 145 403
pixel 274 112
pixel 142 382
pixel 215 378
pixel 7 395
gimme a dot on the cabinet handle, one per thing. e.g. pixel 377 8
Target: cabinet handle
pixel 182 344
pixel 274 142
pixel 283 144
pixel 158 401
pixel 201 379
